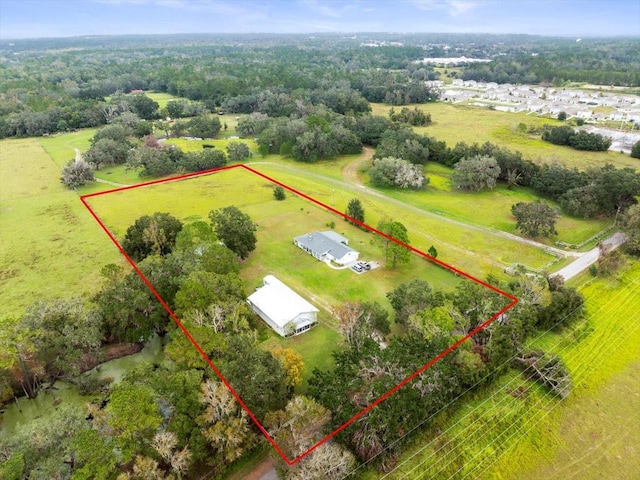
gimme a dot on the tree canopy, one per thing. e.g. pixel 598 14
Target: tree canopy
pixel 535 218
pixel 151 235
pixel 476 173
pixel 235 229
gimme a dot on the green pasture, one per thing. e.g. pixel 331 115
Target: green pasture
pixel 61 147
pixel 278 222
pixel 470 124
pixel 51 246
pixel 315 347
pixel 444 77
pixel 491 208
pixel 605 424
pixel 474 251
pixel 161 98
pixel 601 353
pixel 517 430
pixel 220 143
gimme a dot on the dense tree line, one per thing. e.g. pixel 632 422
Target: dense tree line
pixel 160 419
pixel 67 89
pixel 580 140
pixel 596 61
pixel 51 85
pixel 605 190
pixel 431 320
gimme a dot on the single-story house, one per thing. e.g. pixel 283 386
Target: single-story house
pixel 327 246
pixel 283 309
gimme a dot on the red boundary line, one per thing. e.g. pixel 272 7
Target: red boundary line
pixel 514 300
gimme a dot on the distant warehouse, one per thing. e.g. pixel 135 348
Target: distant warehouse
pixel 283 309
pixel 327 246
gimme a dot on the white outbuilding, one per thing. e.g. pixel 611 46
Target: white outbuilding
pixel 283 309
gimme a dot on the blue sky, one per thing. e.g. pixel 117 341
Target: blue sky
pixel 61 18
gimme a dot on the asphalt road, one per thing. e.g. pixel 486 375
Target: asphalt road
pixel 590 257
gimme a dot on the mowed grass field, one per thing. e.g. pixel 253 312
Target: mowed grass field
pixel 518 430
pixel 50 246
pixel 473 251
pixel 61 147
pixel 220 143
pixel 490 208
pixel 465 123
pixel 277 223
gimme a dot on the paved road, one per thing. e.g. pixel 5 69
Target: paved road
pixel 590 257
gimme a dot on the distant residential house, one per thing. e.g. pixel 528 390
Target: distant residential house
pixel 137 91
pixel 535 106
pixel 327 246
pixel 281 308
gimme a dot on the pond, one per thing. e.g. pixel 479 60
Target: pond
pixel 25 410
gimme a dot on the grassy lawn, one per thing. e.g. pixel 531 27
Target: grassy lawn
pixel 315 347
pixel 61 147
pixel 161 98
pixel 491 208
pixel 592 434
pixel 462 123
pixel 278 223
pixel 475 252
pixel 50 244
pixel 219 143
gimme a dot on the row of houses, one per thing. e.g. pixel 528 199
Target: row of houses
pixel 546 100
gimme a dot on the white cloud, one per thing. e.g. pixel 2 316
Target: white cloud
pixel 453 7
pixel 215 6
pixel 321 8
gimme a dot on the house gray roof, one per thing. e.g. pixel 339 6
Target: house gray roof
pixel 321 243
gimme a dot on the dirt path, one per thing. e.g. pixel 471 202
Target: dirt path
pixel 99 180
pixel 350 171
pixel 264 471
pixel 109 182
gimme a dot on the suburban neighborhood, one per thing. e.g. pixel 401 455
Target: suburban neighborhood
pixel 592 107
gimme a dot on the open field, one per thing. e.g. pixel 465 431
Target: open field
pixel 445 72
pixel 462 123
pixel 517 429
pixel 599 434
pixel 219 143
pixel 61 147
pixel 161 98
pixel 50 245
pixel 489 208
pixel 473 251
pixel 278 223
